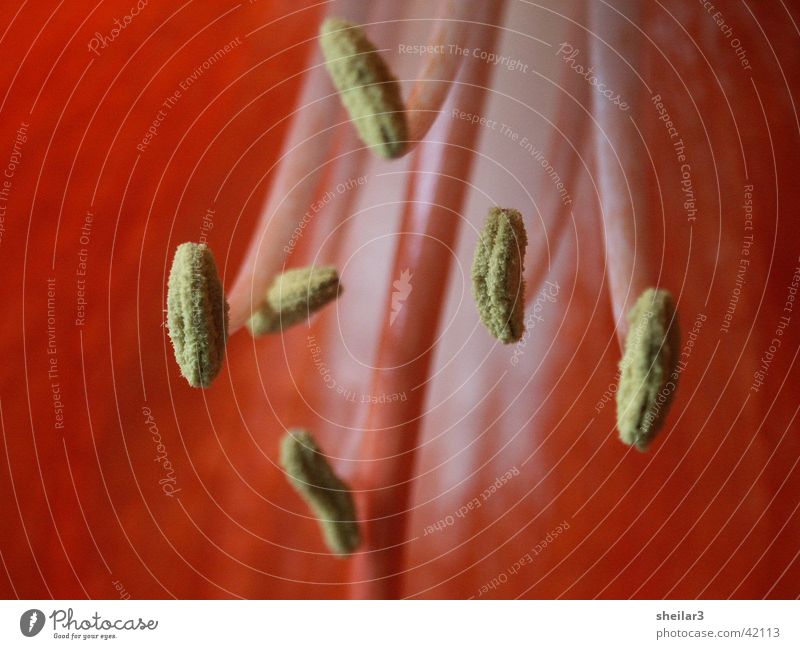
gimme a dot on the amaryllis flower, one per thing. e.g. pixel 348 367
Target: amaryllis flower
pixel 646 145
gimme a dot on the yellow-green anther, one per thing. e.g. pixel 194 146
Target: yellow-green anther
pixel 498 282
pixel 328 497
pixel 197 314
pixel 648 378
pixel 366 87
pixel 293 296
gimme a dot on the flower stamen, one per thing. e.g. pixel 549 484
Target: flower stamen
pixel 293 296
pixel 498 281
pixel 197 314
pixel 325 493
pixel 647 370
pixel 366 87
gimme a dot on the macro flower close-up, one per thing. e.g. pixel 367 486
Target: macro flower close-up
pixel 380 300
